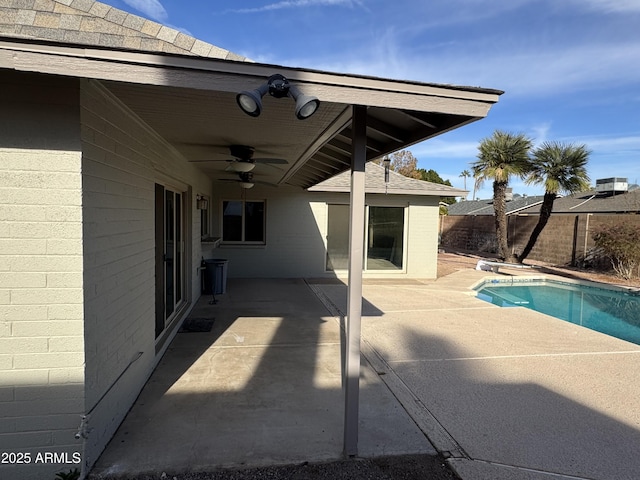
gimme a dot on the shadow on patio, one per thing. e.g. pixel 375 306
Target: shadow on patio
pixel 263 387
pixel 519 395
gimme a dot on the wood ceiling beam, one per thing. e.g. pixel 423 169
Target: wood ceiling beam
pixel 387 130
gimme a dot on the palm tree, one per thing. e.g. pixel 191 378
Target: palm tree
pixel 501 156
pixel 464 175
pixel 561 168
pixel 476 182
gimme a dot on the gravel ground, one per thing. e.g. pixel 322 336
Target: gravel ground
pixel 449 262
pixel 403 467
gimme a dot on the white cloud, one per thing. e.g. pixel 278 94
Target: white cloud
pixel 535 72
pixel 540 133
pixel 611 6
pixel 611 145
pixel 151 8
pixel 299 4
pixel 437 148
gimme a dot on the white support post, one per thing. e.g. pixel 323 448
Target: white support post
pixel 354 295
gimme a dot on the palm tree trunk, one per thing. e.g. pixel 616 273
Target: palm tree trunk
pixel 545 213
pixel 500 209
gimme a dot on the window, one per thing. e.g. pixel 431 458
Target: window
pixel 243 221
pixel 384 237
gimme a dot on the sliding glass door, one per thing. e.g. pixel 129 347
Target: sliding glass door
pixel 169 255
pixel 384 238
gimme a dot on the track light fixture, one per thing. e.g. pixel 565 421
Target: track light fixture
pixel 278 86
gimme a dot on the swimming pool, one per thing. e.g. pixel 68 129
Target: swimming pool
pixel 613 312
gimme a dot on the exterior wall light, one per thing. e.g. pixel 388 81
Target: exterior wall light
pixel 386 162
pixel 250 101
pixel 202 203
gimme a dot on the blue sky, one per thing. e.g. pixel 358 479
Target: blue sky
pixel 570 68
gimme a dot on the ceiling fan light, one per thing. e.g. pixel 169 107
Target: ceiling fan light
pixel 241 167
pixel 246 185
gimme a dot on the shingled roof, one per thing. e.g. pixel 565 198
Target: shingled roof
pixel 398 184
pixel 485 207
pixel 91 23
pixel 596 202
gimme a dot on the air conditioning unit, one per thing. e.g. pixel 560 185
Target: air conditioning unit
pixel 612 185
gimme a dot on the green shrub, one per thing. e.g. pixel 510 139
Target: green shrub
pixel 71 475
pixel 619 243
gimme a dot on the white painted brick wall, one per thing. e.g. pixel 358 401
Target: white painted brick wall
pixel 423 240
pixel 122 160
pixel 76 256
pixel 297 229
pixel 41 327
pixel 294 244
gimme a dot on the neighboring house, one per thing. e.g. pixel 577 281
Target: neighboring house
pixel 485 207
pixel 115 158
pixel 595 201
pixel 608 197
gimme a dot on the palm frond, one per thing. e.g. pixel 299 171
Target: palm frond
pixel 559 167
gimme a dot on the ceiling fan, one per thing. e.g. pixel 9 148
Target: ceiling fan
pixel 245 179
pixel 243 160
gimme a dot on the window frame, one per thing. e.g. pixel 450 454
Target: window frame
pixel 242 241
pixel 365 266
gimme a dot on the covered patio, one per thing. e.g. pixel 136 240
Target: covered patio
pixel 142 138
pixel 263 387
pixel 503 393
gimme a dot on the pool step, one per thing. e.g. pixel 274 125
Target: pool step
pixel 501 298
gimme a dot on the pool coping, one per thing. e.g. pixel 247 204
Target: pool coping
pixel 498 279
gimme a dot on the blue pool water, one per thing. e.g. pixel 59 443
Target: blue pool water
pixel 608 311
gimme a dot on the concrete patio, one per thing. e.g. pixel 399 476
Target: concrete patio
pixel 504 393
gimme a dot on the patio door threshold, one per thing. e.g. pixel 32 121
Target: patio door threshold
pixel 173 324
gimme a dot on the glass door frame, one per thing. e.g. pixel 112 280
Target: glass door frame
pixel 171 273
pixel 405 239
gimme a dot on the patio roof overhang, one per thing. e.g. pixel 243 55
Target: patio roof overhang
pixel 190 102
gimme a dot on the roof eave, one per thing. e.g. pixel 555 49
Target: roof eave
pixel 186 71
pixel 393 191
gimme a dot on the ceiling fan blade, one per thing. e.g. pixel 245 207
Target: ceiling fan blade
pixel 213 160
pixel 274 161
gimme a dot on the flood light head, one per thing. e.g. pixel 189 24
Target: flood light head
pixel 250 101
pixel 306 105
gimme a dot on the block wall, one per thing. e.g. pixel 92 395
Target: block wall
pixel 565 240
pixel 41 292
pixel 122 161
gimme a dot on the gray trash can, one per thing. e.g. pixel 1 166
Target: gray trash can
pixel 215 276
